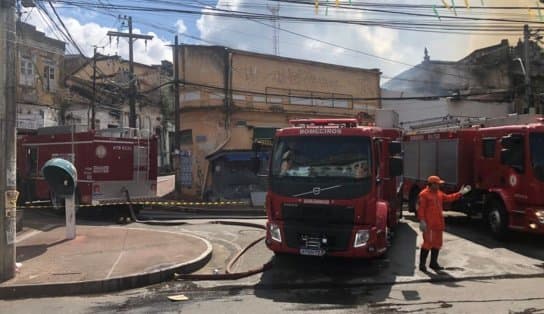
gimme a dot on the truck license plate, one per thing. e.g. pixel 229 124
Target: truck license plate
pixel 312 252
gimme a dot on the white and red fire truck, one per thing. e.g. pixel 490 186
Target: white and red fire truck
pixel 108 162
pixel 503 159
pixel 333 188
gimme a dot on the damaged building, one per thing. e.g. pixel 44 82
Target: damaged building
pixel 489 82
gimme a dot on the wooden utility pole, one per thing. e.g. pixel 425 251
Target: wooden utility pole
pixel 132 83
pixel 8 116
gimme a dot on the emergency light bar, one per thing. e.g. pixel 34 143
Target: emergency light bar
pixel 339 123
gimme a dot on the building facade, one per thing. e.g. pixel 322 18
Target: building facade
pixel 40 87
pixel 154 102
pixel 230 99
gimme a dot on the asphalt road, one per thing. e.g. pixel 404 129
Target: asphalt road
pixel 481 276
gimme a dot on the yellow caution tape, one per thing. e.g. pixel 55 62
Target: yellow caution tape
pixel 157 203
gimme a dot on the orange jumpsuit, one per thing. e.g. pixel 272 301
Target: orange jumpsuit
pixel 430 210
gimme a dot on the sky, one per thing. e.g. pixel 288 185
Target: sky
pixel 354 45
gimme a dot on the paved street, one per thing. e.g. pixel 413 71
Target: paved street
pixel 486 296
pixel 496 277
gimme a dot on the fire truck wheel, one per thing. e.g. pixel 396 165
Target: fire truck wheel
pixel 497 219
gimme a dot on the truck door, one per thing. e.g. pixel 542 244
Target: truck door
pixel 378 170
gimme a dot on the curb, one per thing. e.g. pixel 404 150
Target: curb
pixel 115 284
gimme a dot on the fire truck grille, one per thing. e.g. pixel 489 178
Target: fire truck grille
pixel 330 238
pixel 318 214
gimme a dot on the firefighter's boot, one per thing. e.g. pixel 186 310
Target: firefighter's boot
pixel 423 259
pixel 434 260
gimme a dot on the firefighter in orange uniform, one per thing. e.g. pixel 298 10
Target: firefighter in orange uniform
pixel 431 219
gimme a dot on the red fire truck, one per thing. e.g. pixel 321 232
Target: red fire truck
pixel 503 159
pixel 333 188
pixel 107 161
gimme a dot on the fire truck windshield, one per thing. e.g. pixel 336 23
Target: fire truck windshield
pixel 537 154
pixel 322 156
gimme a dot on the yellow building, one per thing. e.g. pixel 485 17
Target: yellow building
pixel 232 98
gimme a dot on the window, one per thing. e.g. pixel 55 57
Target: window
pixel 26 72
pixel 488 147
pixel 186 137
pixel 342 101
pixel 322 156
pixel 49 77
pixel 322 99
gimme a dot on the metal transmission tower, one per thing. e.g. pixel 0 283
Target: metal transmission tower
pixel 274 8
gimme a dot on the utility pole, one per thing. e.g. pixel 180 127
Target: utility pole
pixel 132 83
pixel 93 105
pixel 8 116
pixel 528 87
pixel 177 118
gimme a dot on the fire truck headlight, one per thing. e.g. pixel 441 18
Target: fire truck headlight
pixel 361 238
pixel 540 216
pixel 275 232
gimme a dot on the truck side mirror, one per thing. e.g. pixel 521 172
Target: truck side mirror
pixel 395 148
pixel 61 175
pixel 395 166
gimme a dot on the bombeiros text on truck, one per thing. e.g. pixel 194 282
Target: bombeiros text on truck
pixel 333 188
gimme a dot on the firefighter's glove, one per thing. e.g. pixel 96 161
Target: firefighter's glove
pixel 422 225
pixel 465 189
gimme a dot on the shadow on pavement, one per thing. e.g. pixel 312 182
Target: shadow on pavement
pixel 474 230
pixel 312 281
pixel 45 219
pixel 27 252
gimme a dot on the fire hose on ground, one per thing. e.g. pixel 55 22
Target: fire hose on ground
pixel 229 273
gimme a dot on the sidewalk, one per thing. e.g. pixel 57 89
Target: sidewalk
pixel 100 259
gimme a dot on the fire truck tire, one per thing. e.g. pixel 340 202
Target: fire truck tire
pixel 497 219
pixel 413 200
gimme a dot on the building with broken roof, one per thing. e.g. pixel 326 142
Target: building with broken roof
pixel 489 82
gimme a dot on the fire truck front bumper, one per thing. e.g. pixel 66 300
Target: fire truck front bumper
pixel 342 241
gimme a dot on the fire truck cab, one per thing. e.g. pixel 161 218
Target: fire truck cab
pixel 503 160
pixel 333 188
